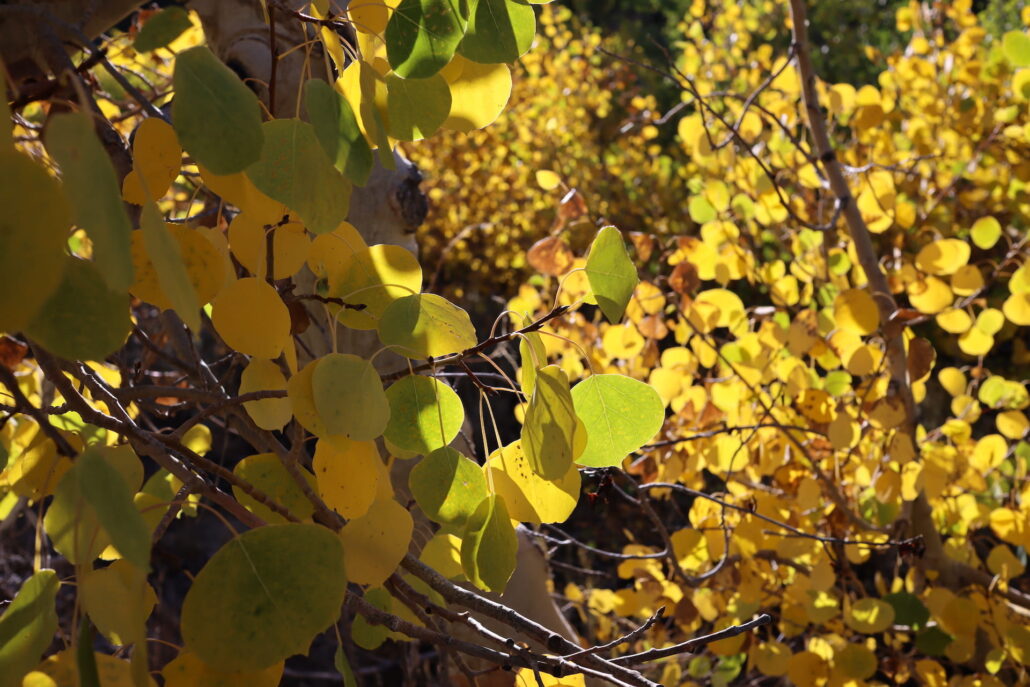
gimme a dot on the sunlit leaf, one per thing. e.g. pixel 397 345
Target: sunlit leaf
pixel 612 275
pixel 347 474
pixel 425 326
pixel 375 542
pixel 447 486
pixel 422 35
pixel 489 545
pixel 528 496
pixel 337 129
pixel 425 414
pixel 162 28
pixel 547 433
pixel 620 414
pixel 498 30
pixel 349 397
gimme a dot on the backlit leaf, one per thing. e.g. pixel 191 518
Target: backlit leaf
pixel 119 600
pixel 92 189
pixel 251 317
pixel 337 130
pixel 1016 46
pixel 422 35
pixel 347 474
pixel 550 423
pixel 416 108
pixel 205 267
pixel 156 159
pixel 264 596
pixel 611 273
pixel 479 93
pixel 217 117
pixel 489 545
pixel 349 397
pixel 447 486
pixel 371 277
pixel 294 170
pixel 498 30
pixel 375 543
pixel 166 257
pixel 528 496
pixel 620 414
pixel 870 616
pixel 248 239
pixel 985 232
pixel 27 626
pixel 425 414
pixel 426 325
pixel 162 28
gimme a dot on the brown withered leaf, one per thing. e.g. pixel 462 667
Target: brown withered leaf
pixel 551 256
pixel 644 244
pixel 572 207
pixel 12 352
pixel 684 278
pixel 653 327
pixel 921 356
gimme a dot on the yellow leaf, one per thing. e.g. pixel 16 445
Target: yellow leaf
pixel 113 672
pixel 262 374
pixel 156 156
pixel 1017 308
pixel 943 257
pixel 347 473
pixel 529 497
pixel 1002 562
pixel 771 658
pixel 375 543
pixel 205 268
pixel 547 180
pixel 186 670
pixel 251 318
pixel 478 95
pixel 248 240
pixel 930 295
pixel 1012 423
pixel 870 616
pixel 119 601
pixel 954 320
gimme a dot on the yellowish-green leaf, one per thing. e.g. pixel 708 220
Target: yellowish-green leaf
pixel 371 277
pixel 620 415
pixel 162 28
pixel 27 626
pixel 985 232
pixel 547 433
pixel 264 596
pixel 870 616
pixel 416 108
pixel 119 600
pixel 349 397
pixel 447 486
pixel 337 129
pixel 498 31
pixel 92 189
pixel 1016 46
pixel 422 35
pixel 425 326
pixel 611 273
pixel 425 414
pixel 489 545
pixel 166 256
pixel 479 93
pixel 267 473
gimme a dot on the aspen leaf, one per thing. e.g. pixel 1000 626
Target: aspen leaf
pixel 349 397
pixel 205 267
pixel 251 318
pixel 156 157
pixel 547 433
pixel 489 545
pixel 547 180
pixel 498 31
pixel 186 670
pixel 92 507
pixel 985 232
pixel 366 635
pixel 347 474
pixel 92 189
pixel 856 661
pixel 285 580
pixel 119 600
pixel 855 310
pixel 533 354
pixel 27 626
pixel 375 542
pixel 426 325
pixel 447 486
pixel 443 554
pixel 1016 47
pixel 551 255
pixel 1017 309
pixel 611 273
pixel 84 319
pixel 248 239
pixel 930 295
pixel 337 128
pixel 425 414
pixel 478 95
pixel 528 496
pixel 371 277
pixel 166 257
pixel 943 257
pixel 63 670
pixel 771 658
pixel 237 189
pixel 416 108
pixel 620 415
pixel 162 28
pixel 267 473
pixel 262 374
pixel 294 170
pixel 216 116
pixel 299 391
pixel 33 229
pixel 422 35
pixel 526 677
pixel 870 616
pixel 1002 562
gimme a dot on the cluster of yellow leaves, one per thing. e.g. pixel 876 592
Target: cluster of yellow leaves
pixel 755 319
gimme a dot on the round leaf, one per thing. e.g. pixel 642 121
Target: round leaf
pixel 611 273
pixel 264 596
pixel 349 397
pixel 422 35
pixel 375 543
pixel 425 414
pixel 498 30
pixel 489 545
pixel 251 318
pixel 264 375
pixel 416 108
pixel 447 486
pixel 620 415
pixel 547 433
pixel 347 473
pixel 530 497
pixel 425 326
pixel 267 472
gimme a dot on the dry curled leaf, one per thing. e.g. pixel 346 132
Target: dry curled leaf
pixel 551 256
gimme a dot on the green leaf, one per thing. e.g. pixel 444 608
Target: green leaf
pixel 422 36
pixel 533 355
pixel 295 170
pixel 96 200
pixel 425 414
pixel 349 397
pixel 93 507
pixel 343 667
pixel 366 635
pixel 933 641
pixel 498 31
pixel 426 325
pixel 447 486
pixel 612 276
pixel 550 424
pixel 337 130
pixel 27 627
pixel 166 256
pixel 264 596
pixel 416 108
pixel 489 546
pixel 217 118
pixel 33 231
pixel 620 414
pixel 267 472
pixel 1016 46
pixel 162 28
pixel 908 609
pixel 83 319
